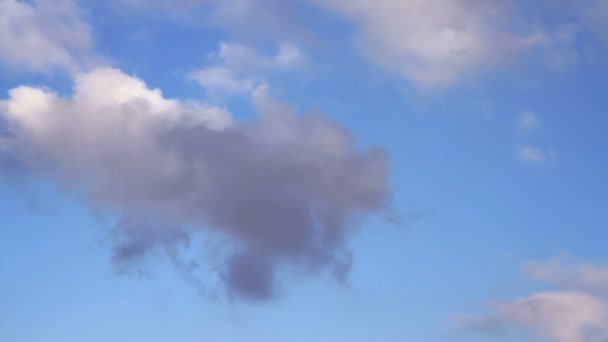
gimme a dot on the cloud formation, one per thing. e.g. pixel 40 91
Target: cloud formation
pixel 528 121
pixel 238 69
pixel 557 316
pixel 433 43
pixel 576 312
pixel 284 190
pixel 571 275
pixel 245 18
pixel 534 154
pixel 43 35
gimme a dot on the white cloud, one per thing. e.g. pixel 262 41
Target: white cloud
pixel 559 316
pixel 555 316
pixel 576 312
pixel 42 35
pixel 222 80
pixel 571 275
pixel 106 128
pixel 289 56
pixel 531 153
pixel 432 42
pixel 238 69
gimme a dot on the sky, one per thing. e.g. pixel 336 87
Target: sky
pixel 306 170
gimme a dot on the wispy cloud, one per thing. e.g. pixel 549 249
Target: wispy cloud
pixel 535 154
pixel 571 275
pixel 528 122
pixel 238 69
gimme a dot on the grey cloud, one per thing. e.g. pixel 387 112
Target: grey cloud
pixel 284 190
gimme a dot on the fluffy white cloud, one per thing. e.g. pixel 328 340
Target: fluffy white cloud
pixel 44 34
pixel 432 42
pixel 108 107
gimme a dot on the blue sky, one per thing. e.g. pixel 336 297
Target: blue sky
pixel 240 170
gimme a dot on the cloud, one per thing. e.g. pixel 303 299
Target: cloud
pixel 43 35
pixel 531 153
pixel 238 69
pixel 590 15
pixel 177 5
pixel 534 154
pixel 221 80
pixel 283 190
pixel 433 43
pixel 557 316
pixel 571 275
pixel 577 311
pixel 528 122
pixel 596 14
pixel 244 18
pixel 562 316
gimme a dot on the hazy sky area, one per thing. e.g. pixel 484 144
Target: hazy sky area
pixel 305 170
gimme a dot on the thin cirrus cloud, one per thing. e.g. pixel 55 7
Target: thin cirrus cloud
pixel 43 35
pixel 284 190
